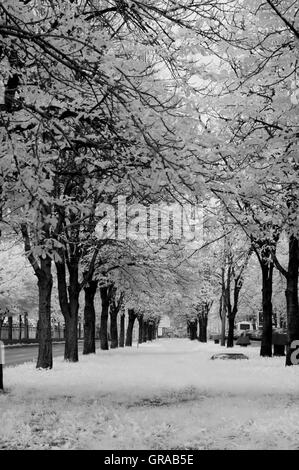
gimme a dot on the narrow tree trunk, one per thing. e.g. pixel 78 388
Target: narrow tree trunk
pixel 292 299
pixel 89 346
pixel 10 328
pixel 26 326
pixel 223 327
pixel 140 331
pixel 45 284
pixel 223 308
pixel 20 328
pixel 267 274
pixel 71 340
pixel 122 331
pixel 232 312
pixel 113 328
pixel 129 335
pixel 104 318
pixel 144 331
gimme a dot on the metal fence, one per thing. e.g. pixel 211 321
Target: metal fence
pixel 27 332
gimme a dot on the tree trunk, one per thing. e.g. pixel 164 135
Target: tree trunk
pixel 223 307
pixel 89 346
pixel 122 331
pixel 144 331
pixel 203 324
pixel 279 350
pixel 113 328
pixel 45 284
pixel 193 329
pixel 150 331
pixel 140 331
pixel 20 328
pixel 10 328
pixel 223 327
pixel 104 318
pixel 292 299
pixel 232 312
pixel 69 305
pixel 129 335
pixel 71 339
pixel 26 326
pixel 231 327
pixel 114 308
pixel 267 274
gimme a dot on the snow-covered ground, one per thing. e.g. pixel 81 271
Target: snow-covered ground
pixel 164 395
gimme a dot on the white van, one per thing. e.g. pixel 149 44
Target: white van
pixel 243 327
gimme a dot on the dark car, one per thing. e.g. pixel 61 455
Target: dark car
pixel 256 335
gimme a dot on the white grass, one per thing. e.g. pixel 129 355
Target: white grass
pixel 164 395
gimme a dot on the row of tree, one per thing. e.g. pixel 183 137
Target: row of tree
pixel 180 101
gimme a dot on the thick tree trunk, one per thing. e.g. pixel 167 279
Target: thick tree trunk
pixel 45 284
pixel 231 327
pixel 193 330
pixel 140 331
pixel 69 305
pixel 129 335
pixel 292 300
pixel 71 339
pixel 122 331
pixel 89 346
pixel 150 331
pixel 104 318
pixel 203 324
pixel 267 274
pixel 113 328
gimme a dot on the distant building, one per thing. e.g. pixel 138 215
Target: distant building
pixel 164 326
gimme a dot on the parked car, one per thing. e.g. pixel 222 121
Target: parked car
pixel 256 335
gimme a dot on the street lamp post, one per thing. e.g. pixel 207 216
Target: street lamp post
pixel 1 364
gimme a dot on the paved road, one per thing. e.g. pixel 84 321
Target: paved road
pixel 21 354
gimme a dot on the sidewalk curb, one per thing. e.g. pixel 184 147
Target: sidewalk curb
pixel 26 345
